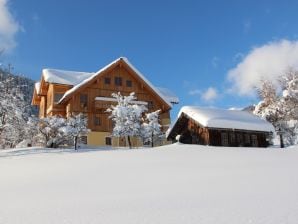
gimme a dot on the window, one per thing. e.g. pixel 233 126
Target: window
pixel 97 121
pixel 57 97
pixel 108 141
pixel 118 81
pixel 224 139
pixel 247 139
pixel 84 100
pixel 150 105
pixel 107 80
pixel 232 138
pixel 84 140
pixel 240 139
pixel 254 141
pixel 128 83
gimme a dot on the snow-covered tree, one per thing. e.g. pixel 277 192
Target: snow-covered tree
pixel 289 97
pixel 280 107
pixel 151 127
pixel 51 129
pixel 33 134
pixel 12 113
pixel 76 126
pixel 127 116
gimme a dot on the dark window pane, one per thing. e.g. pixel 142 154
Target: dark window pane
pixel 107 80
pixel 224 139
pixel 84 140
pixel 128 83
pixel 150 105
pixel 232 138
pixel 83 100
pixel 97 121
pixel 254 141
pixel 118 81
pixel 247 139
pixel 108 141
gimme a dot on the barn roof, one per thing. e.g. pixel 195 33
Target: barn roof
pixel 225 119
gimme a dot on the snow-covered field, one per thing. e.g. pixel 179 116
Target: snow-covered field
pixel 171 184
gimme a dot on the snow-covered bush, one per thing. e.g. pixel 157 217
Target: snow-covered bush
pixel 51 130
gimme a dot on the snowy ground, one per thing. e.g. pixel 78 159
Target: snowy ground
pixel 171 184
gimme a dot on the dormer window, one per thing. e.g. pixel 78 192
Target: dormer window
pixel 118 81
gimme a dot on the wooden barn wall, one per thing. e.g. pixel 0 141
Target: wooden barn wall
pixel 237 138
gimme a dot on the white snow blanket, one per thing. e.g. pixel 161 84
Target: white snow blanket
pixel 171 184
pixel 221 118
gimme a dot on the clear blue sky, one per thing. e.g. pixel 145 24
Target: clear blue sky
pixel 186 46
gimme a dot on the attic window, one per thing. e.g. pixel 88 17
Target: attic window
pixel 107 80
pixel 118 81
pixel 128 83
pixel 57 97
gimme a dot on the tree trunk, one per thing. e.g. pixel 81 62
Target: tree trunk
pixel 152 144
pixel 129 142
pixel 281 141
pixel 76 142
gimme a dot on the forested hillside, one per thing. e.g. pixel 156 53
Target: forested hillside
pixel 23 84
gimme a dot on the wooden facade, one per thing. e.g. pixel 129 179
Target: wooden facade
pixel 119 77
pixel 191 132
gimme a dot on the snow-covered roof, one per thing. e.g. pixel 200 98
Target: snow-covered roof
pixel 89 77
pixel 230 119
pixel 64 77
pixel 37 87
pixel 168 94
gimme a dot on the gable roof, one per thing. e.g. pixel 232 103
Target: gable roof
pixel 89 77
pixel 226 119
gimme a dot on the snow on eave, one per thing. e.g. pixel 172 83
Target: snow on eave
pixel 226 119
pixel 111 99
pixel 169 95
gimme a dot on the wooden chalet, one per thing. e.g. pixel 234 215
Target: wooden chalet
pixel 218 127
pixel 66 92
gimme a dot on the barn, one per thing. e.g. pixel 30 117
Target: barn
pixel 219 127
